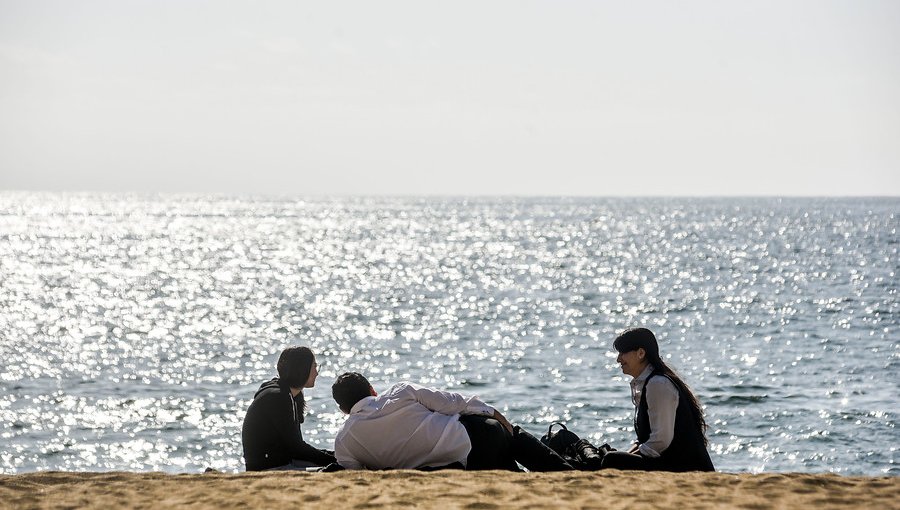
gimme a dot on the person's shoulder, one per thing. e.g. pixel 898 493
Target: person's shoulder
pixel 269 390
pixel 661 381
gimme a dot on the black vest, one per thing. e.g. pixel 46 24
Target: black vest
pixel 687 451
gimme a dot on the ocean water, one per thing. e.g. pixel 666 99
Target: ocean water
pixel 135 329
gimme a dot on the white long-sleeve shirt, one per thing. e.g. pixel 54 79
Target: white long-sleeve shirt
pixel 407 427
pixel 662 402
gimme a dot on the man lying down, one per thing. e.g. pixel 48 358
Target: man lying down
pixel 412 427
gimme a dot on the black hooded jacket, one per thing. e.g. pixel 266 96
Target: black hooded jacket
pixel 271 433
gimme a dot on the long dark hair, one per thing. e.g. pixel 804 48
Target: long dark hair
pixel 294 366
pixel 636 338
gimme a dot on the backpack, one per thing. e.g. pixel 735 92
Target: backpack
pixel 580 453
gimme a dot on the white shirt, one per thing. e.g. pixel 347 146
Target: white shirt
pixel 407 427
pixel 662 402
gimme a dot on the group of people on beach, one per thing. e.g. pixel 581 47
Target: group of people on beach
pixel 414 427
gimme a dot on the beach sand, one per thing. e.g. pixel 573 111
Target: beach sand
pixel 446 490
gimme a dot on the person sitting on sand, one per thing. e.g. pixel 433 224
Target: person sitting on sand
pixel 413 427
pixel 271 433
pixel 668 418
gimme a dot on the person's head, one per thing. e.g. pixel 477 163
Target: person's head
pixel 297 367
pixel 350 388
pixel 637 348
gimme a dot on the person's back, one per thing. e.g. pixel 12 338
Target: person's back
pixel 261 446
pixel 408 427
pixel 687 451
pixel 271 434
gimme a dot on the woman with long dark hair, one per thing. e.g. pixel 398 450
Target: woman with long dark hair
pixel 668 419
pixel 271 433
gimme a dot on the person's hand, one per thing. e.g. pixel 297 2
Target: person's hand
pixel 503 421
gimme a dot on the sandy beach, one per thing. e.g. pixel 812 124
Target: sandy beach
pixel 613 489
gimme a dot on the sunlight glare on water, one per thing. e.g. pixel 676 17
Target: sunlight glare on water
pixel 135 329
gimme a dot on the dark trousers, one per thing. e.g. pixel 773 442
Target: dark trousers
pixel 493 447
pixel 491 444
pixel 629 462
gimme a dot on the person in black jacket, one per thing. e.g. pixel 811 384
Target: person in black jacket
pixel 271 433
pixel 668 420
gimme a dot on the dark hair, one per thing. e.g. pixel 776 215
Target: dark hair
pixel 350 388
pixel 636 338
pixel 294 366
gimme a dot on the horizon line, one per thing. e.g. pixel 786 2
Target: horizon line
pixel 422 195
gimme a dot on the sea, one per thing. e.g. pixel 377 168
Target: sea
pixel 135 329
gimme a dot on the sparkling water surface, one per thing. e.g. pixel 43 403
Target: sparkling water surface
pixel 135 329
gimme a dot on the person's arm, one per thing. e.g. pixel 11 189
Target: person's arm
pixel 448 403
pixel 662 402
pixel 306 451
pixel 289 434
pixel 503 421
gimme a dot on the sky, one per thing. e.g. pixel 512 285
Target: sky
pixel 548 98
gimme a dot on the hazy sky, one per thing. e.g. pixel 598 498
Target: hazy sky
pixel 452 98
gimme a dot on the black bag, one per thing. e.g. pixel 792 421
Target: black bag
pixel 559 441
pixel 580 453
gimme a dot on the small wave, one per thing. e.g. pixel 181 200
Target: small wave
pixel 737 400
pixel 740 389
